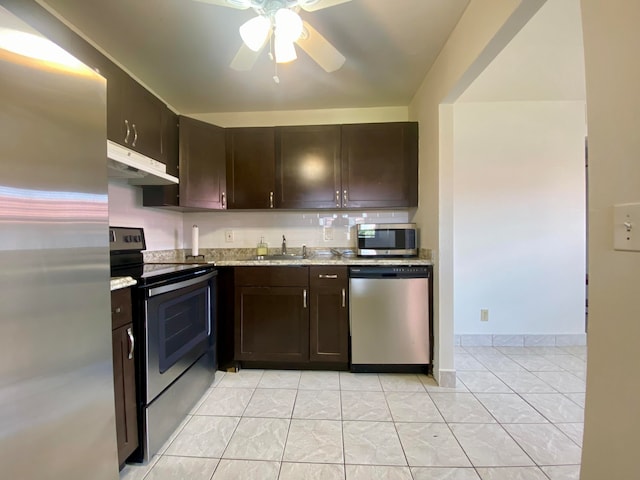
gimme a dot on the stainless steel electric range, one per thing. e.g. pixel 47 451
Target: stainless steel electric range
pixel 174 318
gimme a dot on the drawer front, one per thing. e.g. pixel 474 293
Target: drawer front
pixel 294 276
pixel 328 275
pixel 120 307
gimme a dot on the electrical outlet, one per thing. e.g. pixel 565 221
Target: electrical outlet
pixel 228 236
pixel 327 233
pixel 484 315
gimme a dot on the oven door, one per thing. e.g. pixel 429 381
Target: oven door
pixel 179 329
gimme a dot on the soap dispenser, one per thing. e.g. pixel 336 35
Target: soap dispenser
pixel 262 248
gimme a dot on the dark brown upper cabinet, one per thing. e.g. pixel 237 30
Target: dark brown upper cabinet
pixel 380 165
pixel 251 168
pixel 134 115
pixel 202 165
pixel 372 165
pixel 170 156
pixel 202 170
pixel 308 167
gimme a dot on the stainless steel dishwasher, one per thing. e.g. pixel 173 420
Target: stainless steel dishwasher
pixel 389 316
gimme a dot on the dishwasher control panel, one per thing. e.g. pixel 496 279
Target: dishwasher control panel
pixel 384 271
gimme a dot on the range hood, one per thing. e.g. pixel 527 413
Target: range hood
pixel 137 168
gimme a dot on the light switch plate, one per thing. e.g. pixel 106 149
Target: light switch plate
pixel 626 227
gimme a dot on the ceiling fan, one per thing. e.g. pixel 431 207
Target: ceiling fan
pixel 279 25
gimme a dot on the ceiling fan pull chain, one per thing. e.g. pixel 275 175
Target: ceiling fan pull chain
pixel 272 56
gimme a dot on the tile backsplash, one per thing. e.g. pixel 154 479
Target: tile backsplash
pixel 314 229
pixel 171 230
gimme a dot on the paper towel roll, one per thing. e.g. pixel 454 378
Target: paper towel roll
pixel 194 241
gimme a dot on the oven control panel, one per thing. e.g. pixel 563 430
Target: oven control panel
pixel 122 239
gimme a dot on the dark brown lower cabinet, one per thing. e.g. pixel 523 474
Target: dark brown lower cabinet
pixel 284 317
pixel 272 314
pixel 273 324
pixel 124 381
pixel 329 314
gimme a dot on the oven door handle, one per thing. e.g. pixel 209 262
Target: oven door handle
pixel 208 312
pixel 178 285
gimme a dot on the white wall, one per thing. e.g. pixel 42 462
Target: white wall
pixel 612 419
pixel 519 217
pixel 162 228
pixel 484 29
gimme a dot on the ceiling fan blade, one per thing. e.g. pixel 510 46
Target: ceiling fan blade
pixel 313 5
pixel 239 4
pixel 245 58
pixel 319 48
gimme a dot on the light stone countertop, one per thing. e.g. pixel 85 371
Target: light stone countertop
pixel 346 261
pixel 246 257
pixel 122 282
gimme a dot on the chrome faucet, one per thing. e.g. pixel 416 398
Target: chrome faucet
pixel 284 245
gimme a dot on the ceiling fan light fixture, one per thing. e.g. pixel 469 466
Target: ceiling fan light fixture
pixel 285 50
pixel 255 32
pixel 288 24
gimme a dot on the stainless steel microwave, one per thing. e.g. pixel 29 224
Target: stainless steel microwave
pixel 387 240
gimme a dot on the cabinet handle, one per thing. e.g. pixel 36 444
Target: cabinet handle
pixel 304 298
pixel 345 199
pixel 224 200
pixel 270 199
pixel 337 198
pixel 126 137
pixel 344 298
pixel 116 310
pixel 132 343
pixel 135 136
pixel 327 276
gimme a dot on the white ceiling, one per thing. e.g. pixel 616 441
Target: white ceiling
pixel 181 50
pixel 543 62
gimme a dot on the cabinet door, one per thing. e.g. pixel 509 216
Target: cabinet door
pixel 117 82
pixel 134 115
pixel 144 113
pixel 308 167
pixel 125 392
pixel 380 165
pixel 251 168
pixel 202 165
pixel 170 155
pixel 166 195
pixel 272 324
pixel 329 314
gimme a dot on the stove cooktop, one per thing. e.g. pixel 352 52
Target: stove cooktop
pixel 148 273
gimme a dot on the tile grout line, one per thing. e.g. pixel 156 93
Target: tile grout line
pixel 532 406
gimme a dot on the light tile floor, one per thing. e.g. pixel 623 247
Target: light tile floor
pixel 516 414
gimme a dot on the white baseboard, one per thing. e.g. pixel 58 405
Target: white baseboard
pixel 488 340
pixel 446 378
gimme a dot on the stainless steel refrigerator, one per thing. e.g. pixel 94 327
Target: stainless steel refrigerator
pixel 56 379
